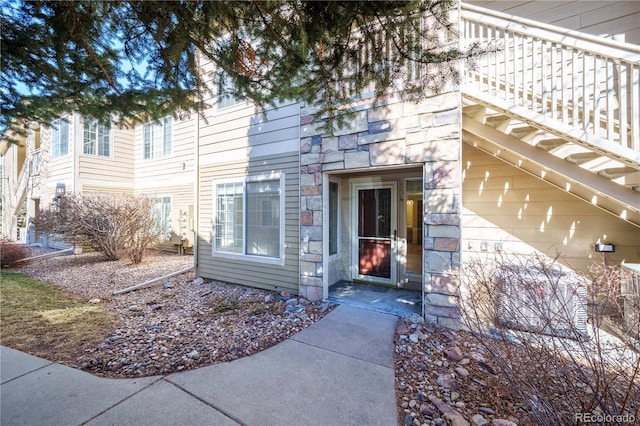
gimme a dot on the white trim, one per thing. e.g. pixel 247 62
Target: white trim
pixel 162 124
pixel 374 183
pixel 68 118
pixel 159 198
pixel 248 257
pixel 338 225
pixel 83 122
pixel 221 74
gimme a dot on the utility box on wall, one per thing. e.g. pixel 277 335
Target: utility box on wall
pixel 183 236
pixel 548 301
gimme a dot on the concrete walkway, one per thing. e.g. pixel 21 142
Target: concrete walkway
pixel 337 371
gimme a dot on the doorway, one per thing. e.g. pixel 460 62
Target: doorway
pixel 374 247
pixel 374 214
pixel 414 210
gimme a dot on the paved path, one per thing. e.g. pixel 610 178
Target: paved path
pixel 339 371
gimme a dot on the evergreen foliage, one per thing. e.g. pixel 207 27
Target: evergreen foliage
pixel 141 60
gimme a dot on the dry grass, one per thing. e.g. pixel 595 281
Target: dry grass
pixel 45 320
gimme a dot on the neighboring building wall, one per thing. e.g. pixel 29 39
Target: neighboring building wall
pixel 239 142
pixel 171 176
pixel 12 162
pixel 509 211
pixel 123 171
pixel 112 174
pixel 62 169
pixel 609 18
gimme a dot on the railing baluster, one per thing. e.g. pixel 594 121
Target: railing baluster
pixel 622 97
pixel 489 62
pixel 500 76
pixel 596 95
pixel 543 77
pixel 585 93
pixel 532 75
pixel 553 82
pixel 523 85
pixel 505 64
pixel 635 108
pixel 565 85
pixel 610 104
pixel 575 98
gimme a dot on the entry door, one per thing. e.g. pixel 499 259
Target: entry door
pixel 375 222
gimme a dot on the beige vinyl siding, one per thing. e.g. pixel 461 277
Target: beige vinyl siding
pixel 592 17
pixel 504 205
pixel 170 176
pixel 178 166
pixel 181 200
pixel 240 142
pixel 10 200
pixel 245 128
pixel 110 190
pixel 246 271
pixel 59 169
pixel 113 173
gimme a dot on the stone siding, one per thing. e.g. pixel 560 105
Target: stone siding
pixel 398 134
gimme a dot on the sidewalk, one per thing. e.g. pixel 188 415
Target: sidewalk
pixel 337 371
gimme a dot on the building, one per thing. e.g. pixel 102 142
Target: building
pixel 537 151
pixel 78 155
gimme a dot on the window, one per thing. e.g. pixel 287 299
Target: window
pixel 60 137
pixel 163 215
pixel 334 198
pixel 248 217
pixel 97 138
pixel 225 87
pixel 157 138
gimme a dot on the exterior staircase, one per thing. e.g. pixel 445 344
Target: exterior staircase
pixel 559 104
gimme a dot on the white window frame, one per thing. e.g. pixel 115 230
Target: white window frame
pixel 250 257
pixel 55 137
pixel 337 226
pixel 159 202
pixel 156 152
pixel 96 141
pixel 225 99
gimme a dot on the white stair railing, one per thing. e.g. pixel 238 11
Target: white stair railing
pixel 586 82
pixel 23 180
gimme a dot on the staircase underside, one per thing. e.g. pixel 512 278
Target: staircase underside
pixel 603 174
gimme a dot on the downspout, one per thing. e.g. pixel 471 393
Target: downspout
pixel 76 162
pixel 196 190
pixel 55 253
pixel 151 281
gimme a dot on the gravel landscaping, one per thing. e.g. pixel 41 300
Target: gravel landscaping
pixel 184 322
pixel 176 324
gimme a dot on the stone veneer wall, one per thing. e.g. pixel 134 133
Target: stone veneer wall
pixel 397 134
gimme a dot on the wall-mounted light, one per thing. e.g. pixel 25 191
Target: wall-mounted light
pixel 605 248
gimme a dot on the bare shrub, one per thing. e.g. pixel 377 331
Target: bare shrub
pixel 141 229
pixel 545 327
pixel 108 224
pixel 10 252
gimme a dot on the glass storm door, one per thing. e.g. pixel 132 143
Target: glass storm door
pixel 375 208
